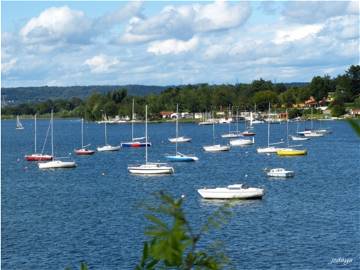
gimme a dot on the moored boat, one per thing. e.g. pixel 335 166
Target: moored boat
pixel 279 172
pixel 291 152
pixel 83 150
pixel 236 191
pixel 242 142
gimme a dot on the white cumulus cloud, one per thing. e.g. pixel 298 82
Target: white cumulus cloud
pixel 101 63
pixel 173 46
pixel 57 24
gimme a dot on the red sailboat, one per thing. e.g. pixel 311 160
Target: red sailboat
pixel 83 151
pixel 38 156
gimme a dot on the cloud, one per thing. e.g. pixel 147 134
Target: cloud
pixel 183 22
pixel 7 66
pixel 173 46
pixel 310 12
pixel 57 24
pixel 294 33
pixel 101 63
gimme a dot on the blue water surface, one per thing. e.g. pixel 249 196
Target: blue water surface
pixel 56 219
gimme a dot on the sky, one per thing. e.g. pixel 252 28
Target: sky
pixel 168 43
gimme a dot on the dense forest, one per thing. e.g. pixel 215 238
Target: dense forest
pixel 344 89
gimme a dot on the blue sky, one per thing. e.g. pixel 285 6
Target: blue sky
pixel 165 43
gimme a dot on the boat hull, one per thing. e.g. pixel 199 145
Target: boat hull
pixel 241 142
pixel 265 150
pixel 38 157
pixel 148 169
pixel 184 158
pixel 179 140
pixel 84 152
pixel 135 144
pixel 57 164
pixel 248 134
pixel 216 148
pixel 231 135
pixel 108 148
pixel 225 194
pixel 291 152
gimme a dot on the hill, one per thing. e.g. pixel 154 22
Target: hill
pixel 18 95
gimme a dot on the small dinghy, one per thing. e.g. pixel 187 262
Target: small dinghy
pixel 236 191
pixel 279 172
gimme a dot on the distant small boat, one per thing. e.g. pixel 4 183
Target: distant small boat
pixel 291 152
pixel 180 139
pixel 233 134
pixel 55 164
pixel 248 133
pixel 207 122
pixel 83 150
pixel 236 191
pixel 215 147
pixel 150 168
pixel 37 156
pixel 135 142
pixel 279 172
pixel 178 157
pixel 299 138
pixel 19 126
pixel 107 147
pixel 242 142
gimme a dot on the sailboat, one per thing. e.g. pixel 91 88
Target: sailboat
pixel 270 148
pixel 135 142
pixel 37 156
pixel 150 168
pixel 215 147
pixel 179 156
pixel 289 151
pixel 107 147
pixel 233 134
pixel 298 138
pixel 249 127
pixel 55 164
pixel 178 139
pixel 19 126
pixel 84 150
pixel 311 133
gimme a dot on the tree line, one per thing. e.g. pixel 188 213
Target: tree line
pixel 345 89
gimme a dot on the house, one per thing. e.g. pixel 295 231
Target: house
pixel 311 102
pixel 165 114
pixel 355 112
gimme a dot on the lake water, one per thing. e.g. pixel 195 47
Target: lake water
pixel 56 219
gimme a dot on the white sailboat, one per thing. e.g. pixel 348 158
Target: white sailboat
pixel 135 141
pixel 242 142
pixel 177 138
pixel 55 163
pixel 298 138
pixel 179 156
pixel 107 147
pixel 270 146
pixel 150 168
pixel 19 126
pixel 215 147
pixel 233 134
pixel 37 156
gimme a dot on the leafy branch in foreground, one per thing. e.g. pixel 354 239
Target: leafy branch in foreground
pixel 173 243
pixel 355 125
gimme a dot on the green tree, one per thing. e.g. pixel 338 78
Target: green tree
pixel 263 98
pixel 173 244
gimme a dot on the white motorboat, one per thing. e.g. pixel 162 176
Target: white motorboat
pixel 150 168
pixel 270 148
pixel 107 147
pixel 237 191
pixel 216 148
pixel 180 139
pixel 312 134
pixel 279 172
pixel 242 142
pixel 19 126
pixel 55 163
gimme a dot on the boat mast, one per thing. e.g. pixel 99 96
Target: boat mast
pixel 105 135
pixel 177 129
pixel 287 128
pixel 311 118
pixel 132 121
pixel 52 133
pixel 269 125
pixel 213 130
pixel 229 118
pixel 146 136
pixel 35 131
pixel 237 121
pixel 82 132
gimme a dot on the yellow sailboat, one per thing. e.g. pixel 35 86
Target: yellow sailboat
pixel 290 151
